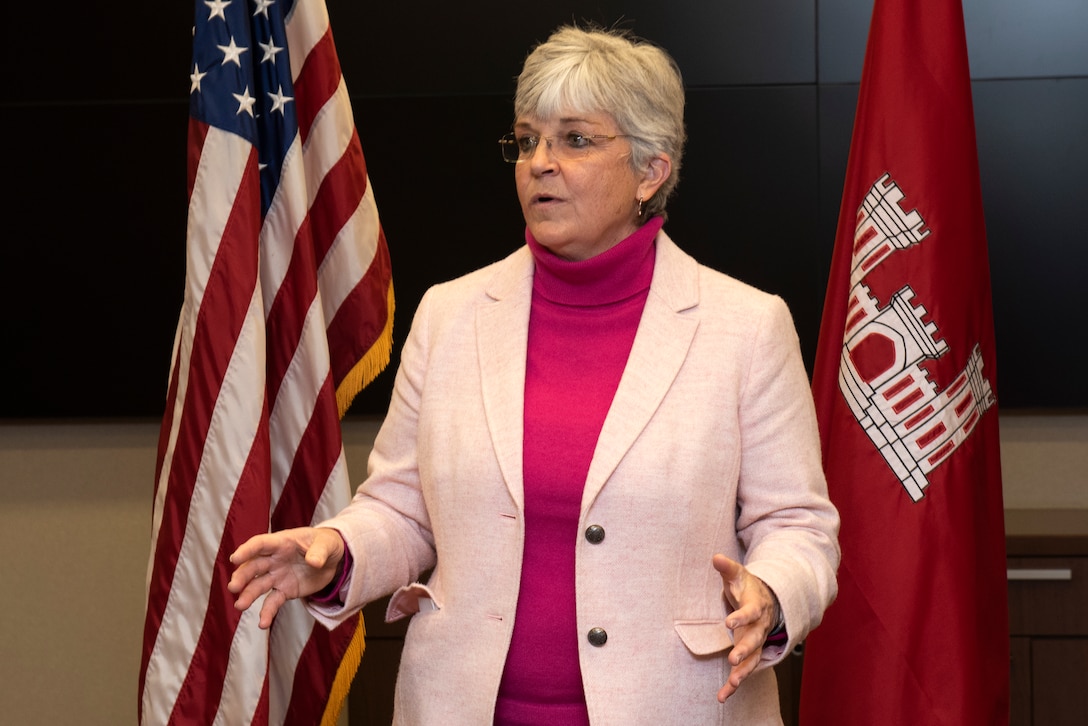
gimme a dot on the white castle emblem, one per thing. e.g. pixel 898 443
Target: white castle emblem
pixel 913 425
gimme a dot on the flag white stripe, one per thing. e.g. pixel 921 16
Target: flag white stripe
pixel 290 205
pixel 331 133
pixel 246 667
pixel 308 23
pixel 179 359
pixel 222 165
pixel 348 259
pixel 291 413
pixel 337 492
pixel 289 638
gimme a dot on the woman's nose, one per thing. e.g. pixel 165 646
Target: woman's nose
pixel 542 156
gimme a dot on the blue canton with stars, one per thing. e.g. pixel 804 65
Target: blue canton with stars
pixel 241 78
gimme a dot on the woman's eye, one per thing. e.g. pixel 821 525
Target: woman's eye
pixel 526 143
pixel 577 141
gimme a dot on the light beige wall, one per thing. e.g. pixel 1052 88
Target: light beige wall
pixel 75 507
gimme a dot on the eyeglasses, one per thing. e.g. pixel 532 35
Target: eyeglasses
pixel 572 145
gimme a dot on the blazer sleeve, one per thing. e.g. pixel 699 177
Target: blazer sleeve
pixel 386 526
pixel 785 521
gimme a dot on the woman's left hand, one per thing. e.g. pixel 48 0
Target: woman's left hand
pixel 754 611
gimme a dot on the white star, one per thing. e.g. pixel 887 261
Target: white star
pixel 262 7
pixel 245 101
pixel 270 50
pixel 279 100
pixel 195 77
pixel 217 8
pixel 232 53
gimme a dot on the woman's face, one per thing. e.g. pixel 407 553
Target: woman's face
pixel 582 204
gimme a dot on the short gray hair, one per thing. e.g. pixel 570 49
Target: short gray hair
pixel 610 71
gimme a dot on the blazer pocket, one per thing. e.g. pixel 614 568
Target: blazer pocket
pixel 409 600
pixel 704 637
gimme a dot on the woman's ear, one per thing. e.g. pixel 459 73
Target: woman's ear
pixel 657 171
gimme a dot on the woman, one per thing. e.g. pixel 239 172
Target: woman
pixel 585 441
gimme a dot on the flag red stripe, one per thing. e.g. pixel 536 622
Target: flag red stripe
pixel 365 311
pixel 167 418
pixel 315 457
pixel 197 133
pixel 164 438
pixel 312 683
pixel 287 315
pixel 338 197
pixel 317 81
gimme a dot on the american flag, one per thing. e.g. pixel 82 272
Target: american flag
pixel 287 314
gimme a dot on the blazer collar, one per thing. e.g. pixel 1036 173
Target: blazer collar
pixel 502 336
pixel 660 347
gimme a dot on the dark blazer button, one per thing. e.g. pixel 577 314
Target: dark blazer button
pixel 595 534
pixel 597 637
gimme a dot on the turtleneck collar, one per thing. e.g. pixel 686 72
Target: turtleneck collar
pixel 614 275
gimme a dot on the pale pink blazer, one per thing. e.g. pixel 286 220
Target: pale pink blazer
pixel 710 446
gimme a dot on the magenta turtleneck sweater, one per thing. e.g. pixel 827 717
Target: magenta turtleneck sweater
pixel 581 326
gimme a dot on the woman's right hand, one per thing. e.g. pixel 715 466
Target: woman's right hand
pixel 289 564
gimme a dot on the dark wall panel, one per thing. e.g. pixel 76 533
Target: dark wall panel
pixel 1005 38
pixel 1033 155
pixel 70 52
pixel 745 203
pixel 94 258
pixel 454 48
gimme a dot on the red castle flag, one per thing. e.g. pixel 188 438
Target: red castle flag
pixel 905 392
pixel 287 314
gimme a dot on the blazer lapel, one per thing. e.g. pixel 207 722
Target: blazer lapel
pixel 502 336
pixel 661 344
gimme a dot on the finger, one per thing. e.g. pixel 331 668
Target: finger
pixel 317 555
pixel 731 570
pixel 737 675
pixel 272 604
pixel 326 548
pixel 749 642
pixel 252 591
pixel 746 613
pixel 248 570
pixel 726 691
pixel 256 546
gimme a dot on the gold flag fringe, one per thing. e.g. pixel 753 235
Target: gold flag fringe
pixel 372 363
pixel 345 674
pixel 362 373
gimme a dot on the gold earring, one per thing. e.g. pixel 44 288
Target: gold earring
pixel 640 207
